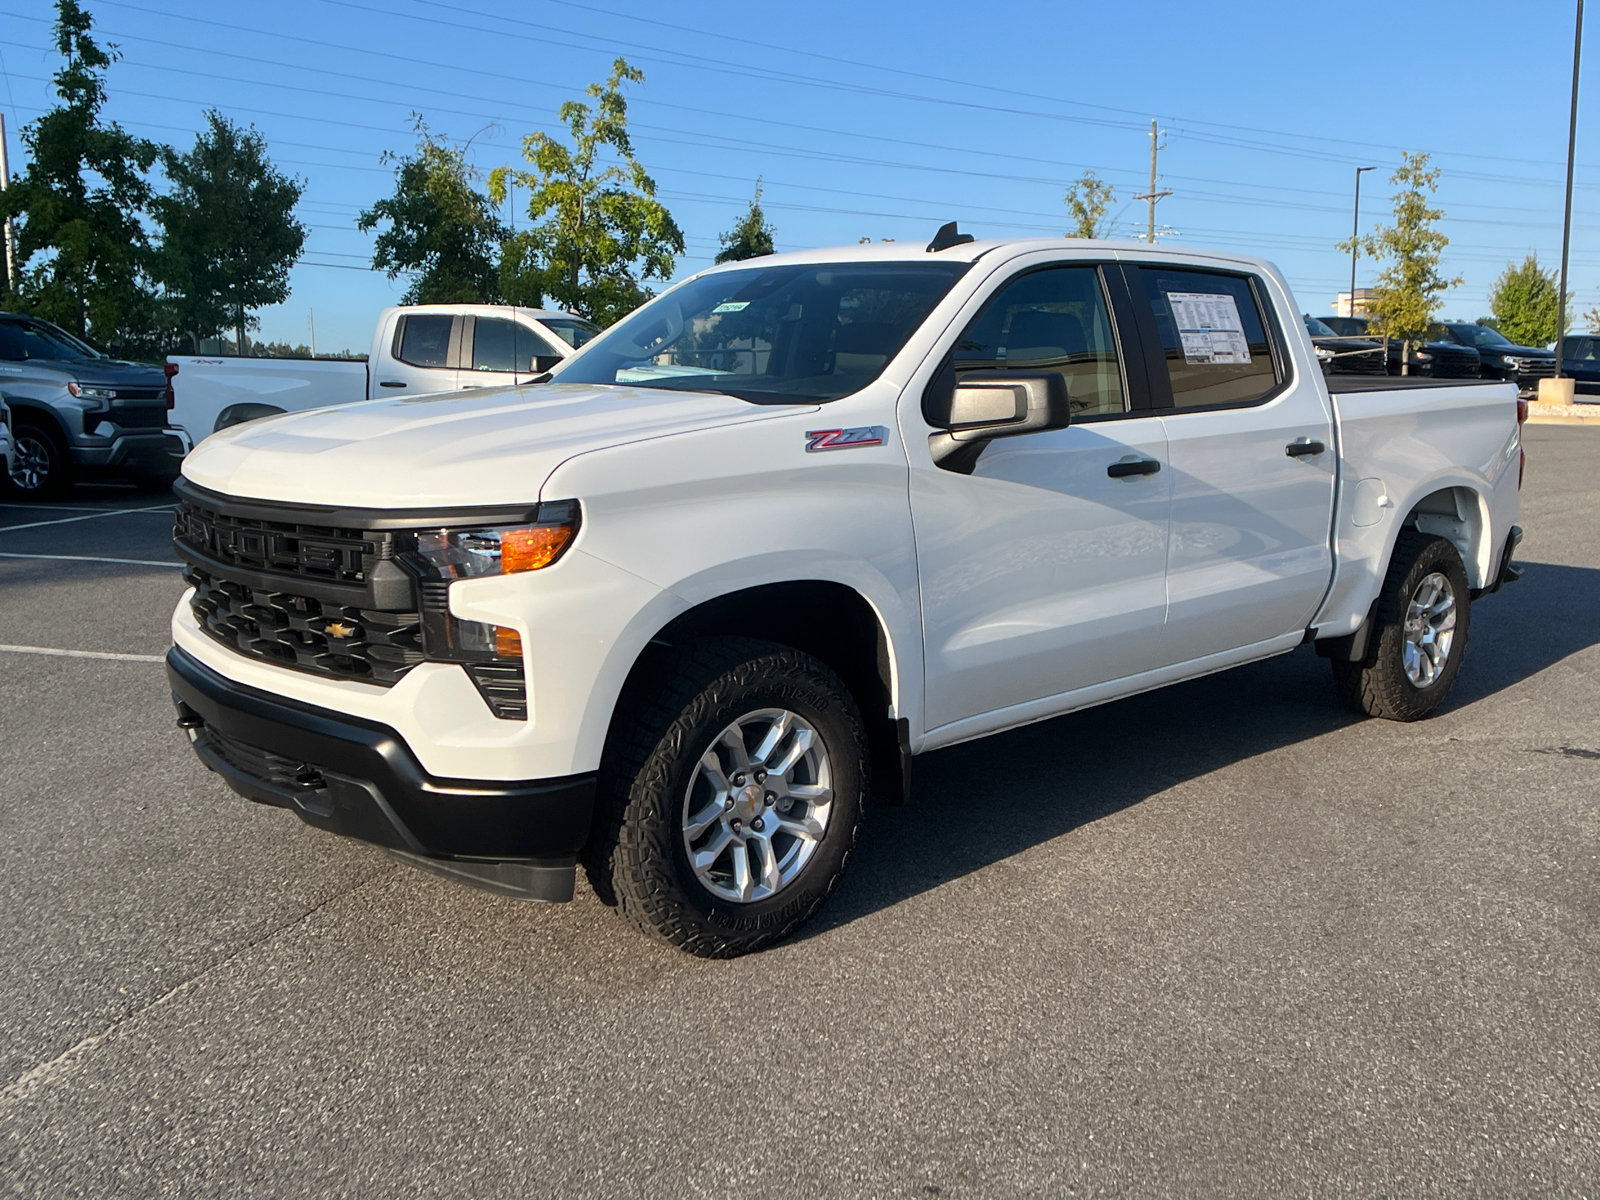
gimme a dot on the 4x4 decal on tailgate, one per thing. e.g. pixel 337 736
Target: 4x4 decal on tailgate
pixel 845 439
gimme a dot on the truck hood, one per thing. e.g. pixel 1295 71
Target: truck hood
pixel 482 447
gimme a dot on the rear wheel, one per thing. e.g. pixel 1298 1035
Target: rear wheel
pixel 1414 653
pixel 733 798
pixel 41 469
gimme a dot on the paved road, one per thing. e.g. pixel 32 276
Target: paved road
pixel 1220 940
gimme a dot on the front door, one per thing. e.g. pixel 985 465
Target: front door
pixel 1252 460
pixel 1041 572
pixel 498 351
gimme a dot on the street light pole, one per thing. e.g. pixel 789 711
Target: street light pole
pixel 1566 221
pixel 1355 232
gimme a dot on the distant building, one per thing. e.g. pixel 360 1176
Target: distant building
pixel 1343 308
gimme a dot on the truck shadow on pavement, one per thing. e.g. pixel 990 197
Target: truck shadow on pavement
pixel 982 802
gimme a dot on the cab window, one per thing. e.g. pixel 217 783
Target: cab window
pixel 1050 321
pixel 502 345
pixel 425 340
pixel 1213 337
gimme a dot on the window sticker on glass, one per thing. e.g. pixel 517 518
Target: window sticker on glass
pixel 731 306
pixel 1209 324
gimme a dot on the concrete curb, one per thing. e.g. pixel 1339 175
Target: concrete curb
pixel 1563 414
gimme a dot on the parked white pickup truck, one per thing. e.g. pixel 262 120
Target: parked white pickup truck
pixel 848 506
pixel 416 350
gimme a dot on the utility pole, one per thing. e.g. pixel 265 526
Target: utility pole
pixel 1152 195
pixel 1566 222
pixel 311 316
pixel 1355 232
pixel 5 184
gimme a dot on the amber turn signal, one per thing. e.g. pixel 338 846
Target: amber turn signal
pixel 507 642
pixel 531 549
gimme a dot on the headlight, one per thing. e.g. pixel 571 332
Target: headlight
pixel 83 392
pixel 1324 353
pixel 443 556
pixel 1424 356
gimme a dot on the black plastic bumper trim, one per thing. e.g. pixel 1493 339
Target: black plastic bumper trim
pixel 363 781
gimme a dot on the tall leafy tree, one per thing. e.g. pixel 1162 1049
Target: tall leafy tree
pixel 229 232
pixel 1410 288
pixel 599 232
pixel 751 237
pixel 1087 201
pixel 1524 303
pixel 81 246
pixel 439 226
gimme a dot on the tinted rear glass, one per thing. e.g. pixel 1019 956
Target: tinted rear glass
pixel 425 340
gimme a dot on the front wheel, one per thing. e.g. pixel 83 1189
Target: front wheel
pixel 41 468
pixel 734 798
pixel 1414 653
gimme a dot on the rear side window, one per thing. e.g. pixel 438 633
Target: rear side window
pixel 502 345
pixel 1055 320
pixel 1212 336
pixel 425 340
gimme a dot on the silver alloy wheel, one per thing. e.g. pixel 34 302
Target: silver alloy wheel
pixel 757 806
pixel 31 465
pixel 1430 628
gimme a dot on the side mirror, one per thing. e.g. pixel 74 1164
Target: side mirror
pixel 545 362
pixel 991 404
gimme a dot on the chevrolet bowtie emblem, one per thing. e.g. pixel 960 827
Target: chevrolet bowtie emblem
pixel 338 629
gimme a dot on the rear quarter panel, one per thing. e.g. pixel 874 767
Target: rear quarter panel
pixel 1400 445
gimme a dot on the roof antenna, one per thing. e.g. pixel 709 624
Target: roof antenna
pixel 947 237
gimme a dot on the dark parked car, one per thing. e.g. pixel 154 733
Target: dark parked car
pixel 1440 359
pixel 1342 355
pixel 1580 362
pixel 1498 356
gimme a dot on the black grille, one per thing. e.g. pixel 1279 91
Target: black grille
pixel 340 641
pixel 1535 369
pixel 1451 365
pixel 143 416
pixel 503 688
pixel 318 552
pixel 260 764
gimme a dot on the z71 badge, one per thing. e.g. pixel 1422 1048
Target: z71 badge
pixel 845 439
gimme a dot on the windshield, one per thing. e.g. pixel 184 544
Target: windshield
pixel 1317 329
pixel 1346 326
pixel 35 339
pixel 800 334
pixel 574 331
pixel 1478 335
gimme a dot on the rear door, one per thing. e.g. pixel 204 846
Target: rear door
pixel 422 357
pixel 501 350
pixel 1251 457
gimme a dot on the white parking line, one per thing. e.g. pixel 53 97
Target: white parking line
pixel 58 507
pixel 155 658
pixel 132 562
pixel 114 512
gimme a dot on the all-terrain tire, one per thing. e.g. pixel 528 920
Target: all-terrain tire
pixel 1379 686
pixel 638 859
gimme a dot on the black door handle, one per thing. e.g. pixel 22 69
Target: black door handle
pixel 1301 447
pixel 390 383
pixel 1121 470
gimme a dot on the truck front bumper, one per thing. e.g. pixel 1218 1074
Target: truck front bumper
pixel 147 452
pixel 358 778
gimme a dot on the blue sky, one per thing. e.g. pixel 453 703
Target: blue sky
pixel 882 120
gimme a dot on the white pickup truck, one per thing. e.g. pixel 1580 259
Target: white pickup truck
pixel 844 507
pixel 416 350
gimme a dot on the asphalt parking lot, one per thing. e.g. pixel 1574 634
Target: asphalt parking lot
pixel 1220 940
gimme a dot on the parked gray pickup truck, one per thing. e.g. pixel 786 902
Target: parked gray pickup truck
pixel 77 412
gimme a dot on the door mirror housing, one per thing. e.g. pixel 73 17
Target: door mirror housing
pixel 991 404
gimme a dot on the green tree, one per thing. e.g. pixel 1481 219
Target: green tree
pixel 80 202
pixel 440 226
pixel 1087 200
pixel 1524 302
pixel 751 237
pixel 599 232
pixel 228 231
pixel 1410 287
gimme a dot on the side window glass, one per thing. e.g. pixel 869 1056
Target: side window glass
pixel 502 345
pixel 12 348
pixel 1055 320
pixel 1213 337
pixel 425 340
